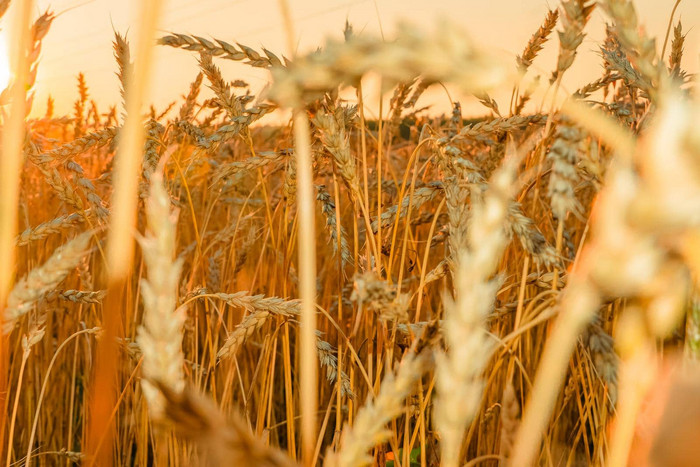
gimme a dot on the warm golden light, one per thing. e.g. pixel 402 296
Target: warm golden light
pixel 4 63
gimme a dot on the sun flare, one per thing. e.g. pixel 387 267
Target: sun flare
pixel 4 63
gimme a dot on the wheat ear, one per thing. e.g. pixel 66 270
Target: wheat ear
pixel 160 336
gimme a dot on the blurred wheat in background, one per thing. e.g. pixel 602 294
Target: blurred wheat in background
pixel 514 289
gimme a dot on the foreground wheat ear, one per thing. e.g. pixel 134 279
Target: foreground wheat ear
pixel 491 285
pixel 160 337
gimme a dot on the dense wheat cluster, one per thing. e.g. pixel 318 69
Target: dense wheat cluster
pixel 489 291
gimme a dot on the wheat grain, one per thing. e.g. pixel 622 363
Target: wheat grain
pixel 243 331
pixel 640 48
pixel 274 305
pixel 227 439
pixel 503 124
pixel 606 361
pixel 78 146
pixel 261 159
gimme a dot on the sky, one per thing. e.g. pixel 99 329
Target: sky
pixel 80 39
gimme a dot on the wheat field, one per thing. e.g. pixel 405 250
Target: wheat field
pixel 196 285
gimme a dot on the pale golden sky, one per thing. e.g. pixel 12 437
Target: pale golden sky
pixel 80 38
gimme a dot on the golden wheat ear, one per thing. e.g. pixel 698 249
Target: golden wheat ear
pixel 44 279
